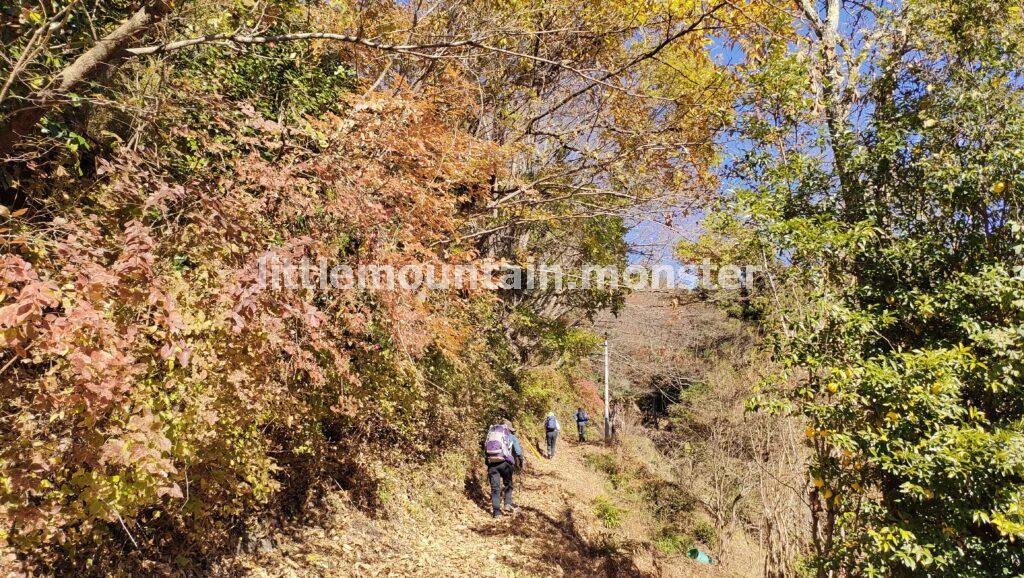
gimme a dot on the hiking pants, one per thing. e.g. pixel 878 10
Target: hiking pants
pixel 499 474
pixel 581 426
pixel 552 437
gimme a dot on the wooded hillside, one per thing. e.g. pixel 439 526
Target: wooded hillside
pixel 161 404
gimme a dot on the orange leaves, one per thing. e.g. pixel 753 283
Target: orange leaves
pixel 148 326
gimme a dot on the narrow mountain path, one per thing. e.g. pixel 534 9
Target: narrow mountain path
pixel 556 533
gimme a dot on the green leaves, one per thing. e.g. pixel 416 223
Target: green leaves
pixel 897 230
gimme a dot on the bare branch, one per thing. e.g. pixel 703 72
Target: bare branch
pixel 414 49
pixel 106 54
pixel 669 39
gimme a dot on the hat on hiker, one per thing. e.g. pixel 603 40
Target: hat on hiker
pixel 509 425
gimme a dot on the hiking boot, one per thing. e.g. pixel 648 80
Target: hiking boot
pixel 496 514
pixel 514 510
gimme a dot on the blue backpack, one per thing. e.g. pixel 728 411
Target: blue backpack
pixel 551 424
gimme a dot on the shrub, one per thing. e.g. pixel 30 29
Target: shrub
pixel 609 514
pixel 705 532
pixel 159 384
pixel 672 543
pixel 544 389
pixel 603 462
pixel 669 499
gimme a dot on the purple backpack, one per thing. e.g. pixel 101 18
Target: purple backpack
pixel 498 446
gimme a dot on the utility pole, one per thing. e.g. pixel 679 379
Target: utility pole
pixel 607 415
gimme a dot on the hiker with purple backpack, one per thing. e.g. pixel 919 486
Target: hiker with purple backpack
pixel 503 456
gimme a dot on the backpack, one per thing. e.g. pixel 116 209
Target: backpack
pixel 581 416
pixel 551 424
pixel 498 446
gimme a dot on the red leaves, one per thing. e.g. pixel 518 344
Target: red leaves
pixel 33 298
pixel 93 282
pixel 164 196
pixel 100 376
pixel 14 269
pixel 22 320
pixel 150 309
pixel 136 260
pixel 114 451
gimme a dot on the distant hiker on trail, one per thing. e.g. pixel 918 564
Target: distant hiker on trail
pixel 552 427
pixel 503 452
pixel 581 422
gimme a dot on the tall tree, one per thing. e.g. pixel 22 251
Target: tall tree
pixel 880 165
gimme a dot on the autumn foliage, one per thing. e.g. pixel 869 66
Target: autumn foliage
pixel 158 403
pixel 152 386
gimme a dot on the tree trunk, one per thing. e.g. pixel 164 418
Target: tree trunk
pixel 107 54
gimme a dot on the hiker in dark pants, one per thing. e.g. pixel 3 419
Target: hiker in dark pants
pixel 551 428
pixel 503 454
pixel 581 422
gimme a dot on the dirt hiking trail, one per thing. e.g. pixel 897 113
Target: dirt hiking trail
pixel 556 533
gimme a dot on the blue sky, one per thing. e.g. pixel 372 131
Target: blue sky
pixel 650 239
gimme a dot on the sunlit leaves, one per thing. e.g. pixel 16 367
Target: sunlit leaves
pixel 909 333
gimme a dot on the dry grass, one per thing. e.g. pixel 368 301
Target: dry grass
pixel 444 531
pixel 683 373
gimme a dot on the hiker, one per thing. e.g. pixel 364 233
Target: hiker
pixel 503 453
pixel 552 427
pixel 581 422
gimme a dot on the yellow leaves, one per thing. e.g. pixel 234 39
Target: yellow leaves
pixel 892 416
pixel 679 7
pixel 31 16
pixel 999 187
pixel 811 432
pixel 8 337
pixel 818 482
pixel 832 388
